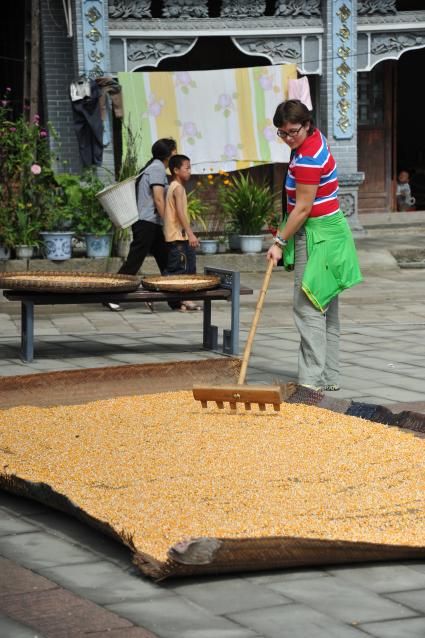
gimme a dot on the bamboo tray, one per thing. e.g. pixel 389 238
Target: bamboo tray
pixel 67 282
pixel 181 283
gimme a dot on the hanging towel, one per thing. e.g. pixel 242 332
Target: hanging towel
pixel 300 90
pixel 221 119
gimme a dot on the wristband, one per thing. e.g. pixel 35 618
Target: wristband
pixel 280 241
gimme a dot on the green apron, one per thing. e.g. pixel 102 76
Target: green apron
pixel 332 264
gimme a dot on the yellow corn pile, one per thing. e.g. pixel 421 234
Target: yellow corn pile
pixel 160 469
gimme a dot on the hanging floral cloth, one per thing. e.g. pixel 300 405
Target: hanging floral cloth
pixel 221 119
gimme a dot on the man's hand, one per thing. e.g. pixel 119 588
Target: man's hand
pixel 193 240
pixel 275 254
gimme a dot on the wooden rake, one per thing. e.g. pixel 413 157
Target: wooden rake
pixel 240 393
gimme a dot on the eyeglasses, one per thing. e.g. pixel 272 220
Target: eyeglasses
pixel 285 134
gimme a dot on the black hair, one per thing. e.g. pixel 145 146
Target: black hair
pixel 293 112
pixel 161 149
pixel 176 161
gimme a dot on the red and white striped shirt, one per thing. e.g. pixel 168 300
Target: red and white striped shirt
pixel 312 163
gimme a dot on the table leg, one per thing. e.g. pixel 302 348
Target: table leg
pixel 231 338
pixel 27 331
pixel 210 332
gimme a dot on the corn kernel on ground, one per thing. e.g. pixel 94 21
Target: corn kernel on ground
pixel 159 469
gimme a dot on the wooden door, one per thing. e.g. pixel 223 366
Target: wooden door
pixel 375 137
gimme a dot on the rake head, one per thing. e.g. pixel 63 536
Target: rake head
pixel 234 394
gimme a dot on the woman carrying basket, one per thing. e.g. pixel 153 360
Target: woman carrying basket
pixel 316 239
pixel 148 235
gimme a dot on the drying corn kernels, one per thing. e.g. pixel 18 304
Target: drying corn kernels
pixel 160 469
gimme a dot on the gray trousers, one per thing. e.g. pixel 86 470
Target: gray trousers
pixel 318 357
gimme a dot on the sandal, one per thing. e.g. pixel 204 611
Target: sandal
pixel 190 306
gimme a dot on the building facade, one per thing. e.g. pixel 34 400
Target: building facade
pixel 349 49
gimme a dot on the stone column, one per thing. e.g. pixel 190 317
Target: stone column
pixel 338 98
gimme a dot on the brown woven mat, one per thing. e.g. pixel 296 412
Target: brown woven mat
pixel 181 283
pixel 66 282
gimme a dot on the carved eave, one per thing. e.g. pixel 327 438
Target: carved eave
pixel 157 27
pixel 400 20
pixel 388 37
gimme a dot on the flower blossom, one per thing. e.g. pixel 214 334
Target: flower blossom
pixel 43 133
pixel 36 169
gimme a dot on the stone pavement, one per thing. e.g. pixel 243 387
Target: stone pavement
pixel 61 578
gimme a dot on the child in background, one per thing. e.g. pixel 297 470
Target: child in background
pixel 404 194
pixel 179 236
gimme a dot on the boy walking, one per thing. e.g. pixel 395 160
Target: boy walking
pixel 179 236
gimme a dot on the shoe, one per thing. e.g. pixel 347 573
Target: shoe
pixel 149 305
pixel 316 388
pixel 331 387
pixel 114 307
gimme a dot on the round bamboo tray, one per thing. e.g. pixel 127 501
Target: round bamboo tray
pixel 181 283
pixel 66 282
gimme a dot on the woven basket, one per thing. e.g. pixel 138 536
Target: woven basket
pixel 66 282
pixel 119 201
pixel 181 283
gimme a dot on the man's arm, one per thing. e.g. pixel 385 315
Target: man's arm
pixel 179 198
pixel 158 195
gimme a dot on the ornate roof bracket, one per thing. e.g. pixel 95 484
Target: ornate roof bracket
pixel 388 37
pixel 131 54
pixel 303 50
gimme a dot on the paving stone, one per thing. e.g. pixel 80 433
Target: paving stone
pixel 295 621
pixel 286 576
pixel 174 617
pixel 342 600
pixel 10 628
pixel 228 595
pixel 21 505
pixel 382 578
pixel 39 550
pixel 78 533
pixel 10 524
pixel 15 579
pixel 415 599
pixel 129 632
pixel 104 583
pixel 406 628
pixel 59 614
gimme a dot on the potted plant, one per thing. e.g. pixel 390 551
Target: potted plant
pixel 25 232
pixel 92 223
pixel 248 205
pixel 57 221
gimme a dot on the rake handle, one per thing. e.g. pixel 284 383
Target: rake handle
pixel 253 329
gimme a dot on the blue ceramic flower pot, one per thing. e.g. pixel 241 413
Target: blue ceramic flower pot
pixel 98 246
pixel 57 245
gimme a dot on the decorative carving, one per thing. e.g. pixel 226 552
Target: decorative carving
pixel 347 203
pixel 129 9
pixel 342 45
pixel 205 24
pixel 395 42
pixel 277 49
pixel 185 9
pixel 93 37
pixel 369 7
pixel 395 19
pixel 242 8
pixel 151 52
pixel 297 7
